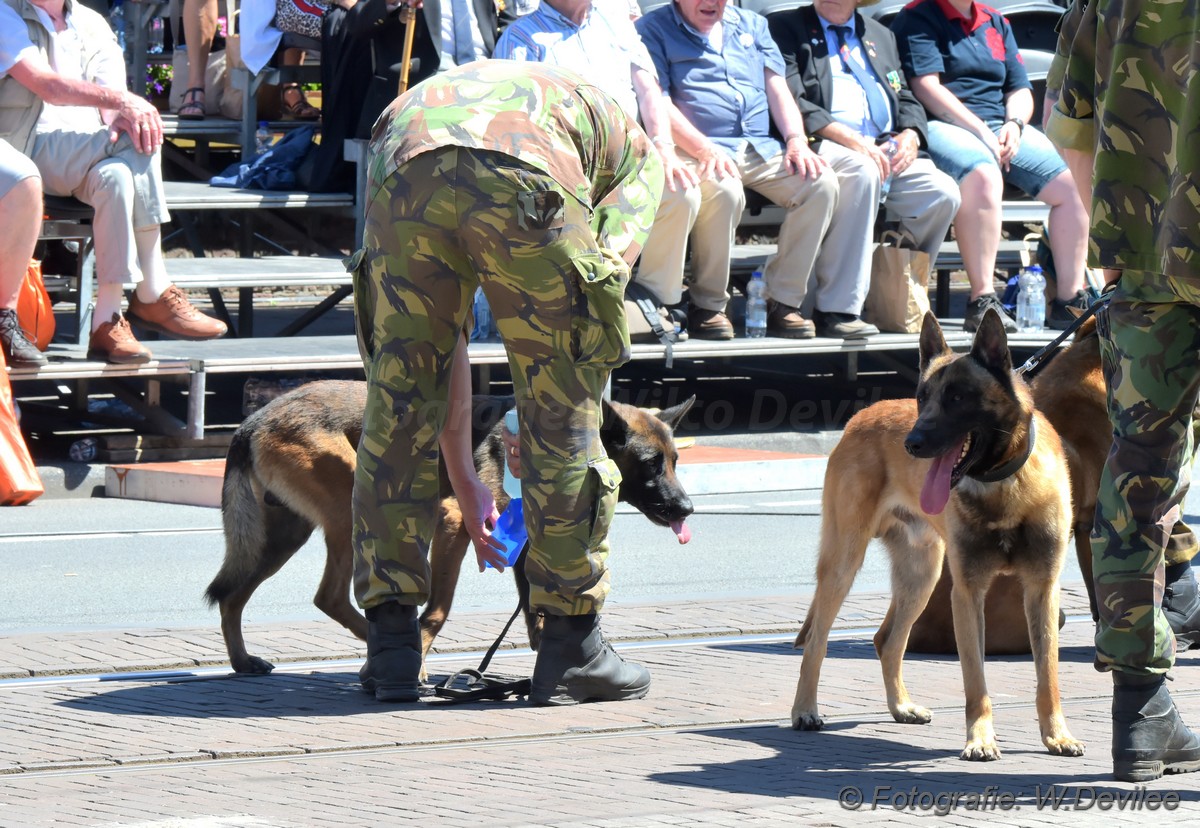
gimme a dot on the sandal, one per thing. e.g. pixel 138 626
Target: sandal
pixel 192 108
pixel 300 109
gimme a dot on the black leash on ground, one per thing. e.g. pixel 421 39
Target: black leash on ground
pixel 1041 356
pixel 476 684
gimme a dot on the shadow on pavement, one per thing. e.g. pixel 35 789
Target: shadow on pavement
pixel 846 763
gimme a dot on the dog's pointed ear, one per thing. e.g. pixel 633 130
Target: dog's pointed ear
pixel 990 347
pixel 613 423
pixel 674 415
pixel 933 343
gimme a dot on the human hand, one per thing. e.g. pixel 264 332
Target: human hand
pixel 801 160
pixel 1009 141
pixel 678 174
pixel 479 516
pixel 141 121
pixel 713 164
pixel 907 147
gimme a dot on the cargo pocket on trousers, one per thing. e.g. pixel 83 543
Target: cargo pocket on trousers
pixel 599 330
pixel 606 478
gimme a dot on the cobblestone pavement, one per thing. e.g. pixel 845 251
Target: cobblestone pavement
pixel 85 746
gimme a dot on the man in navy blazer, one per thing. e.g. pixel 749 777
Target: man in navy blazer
pixel 844 69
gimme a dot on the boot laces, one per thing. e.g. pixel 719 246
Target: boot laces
pixel 177 301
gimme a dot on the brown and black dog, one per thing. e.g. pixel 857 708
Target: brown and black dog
pixel 1070 392
pixel 290 469
pixel 968 471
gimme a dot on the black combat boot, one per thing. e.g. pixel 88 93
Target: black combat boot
pixel 1181 605
pixel 575 664
pixel 392 670
pixel 1149 737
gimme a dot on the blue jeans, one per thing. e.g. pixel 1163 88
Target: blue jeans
pixel 957 152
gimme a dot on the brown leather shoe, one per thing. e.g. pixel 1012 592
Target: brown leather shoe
pixel 709 324
pixel 786 321
pixel 18 350
pixel 114 342
pixel 172 314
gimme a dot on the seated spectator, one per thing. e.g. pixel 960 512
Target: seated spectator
pixel 962 63
pixel 262 25
pixel 596 39
pixel 66 106
pixel 20 222
pixel 199 29
pixel 724 76
pixel 855 99
pixel 366 40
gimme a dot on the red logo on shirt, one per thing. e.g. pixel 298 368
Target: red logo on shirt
pixel 995 42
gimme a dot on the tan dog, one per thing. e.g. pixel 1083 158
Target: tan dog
pixel 290 469
pixel 969 471
pixel 1070 392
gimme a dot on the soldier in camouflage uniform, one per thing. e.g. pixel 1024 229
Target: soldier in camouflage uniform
pixel 1130 88
pixel 1181 595
pixel 534 184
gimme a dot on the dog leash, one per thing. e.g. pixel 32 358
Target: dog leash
pixel 1038 361
pixel 475 684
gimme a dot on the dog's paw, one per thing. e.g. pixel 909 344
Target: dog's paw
pixel 912 714
pixel 807 721
pixel 1065 745
pixel 253 666
pixel 979 751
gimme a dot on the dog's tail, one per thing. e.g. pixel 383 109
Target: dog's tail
pixel 241 513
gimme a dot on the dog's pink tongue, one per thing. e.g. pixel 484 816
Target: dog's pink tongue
pixel 681 530
pixel 936 491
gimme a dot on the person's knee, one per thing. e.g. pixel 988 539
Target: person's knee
pixel 1061 191
pixel 111 181
pixel 982 188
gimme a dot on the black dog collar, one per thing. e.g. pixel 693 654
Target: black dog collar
pixel 1012 466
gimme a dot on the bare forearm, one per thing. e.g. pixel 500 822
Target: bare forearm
pixel 55 89
pixel 456 436
pixel 943 104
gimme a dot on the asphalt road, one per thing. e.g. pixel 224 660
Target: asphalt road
pixel 107 563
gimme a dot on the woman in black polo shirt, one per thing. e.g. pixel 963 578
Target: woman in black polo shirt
pixel 963 65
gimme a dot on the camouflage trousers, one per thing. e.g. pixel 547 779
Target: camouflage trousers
pixel 446 222
pixel 1150 337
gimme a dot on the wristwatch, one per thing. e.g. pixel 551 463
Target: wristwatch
pixel 1020 124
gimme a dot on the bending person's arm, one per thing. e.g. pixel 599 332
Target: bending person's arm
pixel 474 498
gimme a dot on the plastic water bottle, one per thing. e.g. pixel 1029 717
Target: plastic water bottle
pixel 1031 300
pixel 262 138
pixel 155 39
pixel 510 528
pixel 116 20
pixel 889 149
pixel 756 306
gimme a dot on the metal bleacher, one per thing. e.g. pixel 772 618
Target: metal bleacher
pixel 289 350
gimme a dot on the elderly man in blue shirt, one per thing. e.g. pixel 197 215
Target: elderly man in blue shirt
pixel 596 39
pixel 725 77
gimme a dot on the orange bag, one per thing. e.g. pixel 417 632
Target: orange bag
pixel 34 309
pixel 19 481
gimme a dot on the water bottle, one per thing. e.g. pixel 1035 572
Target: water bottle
pixel 1031 300
pixel 155 37
pixel 510 528
pixel 116 19
pixel 756 306
pixel 889 150
pixel 262 138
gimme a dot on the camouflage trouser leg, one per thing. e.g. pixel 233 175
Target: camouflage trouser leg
pixel 445 222
pixel 1150 336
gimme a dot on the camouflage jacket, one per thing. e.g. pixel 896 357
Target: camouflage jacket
pixel 544 116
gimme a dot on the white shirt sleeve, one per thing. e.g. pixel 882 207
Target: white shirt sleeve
pixel 15 44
